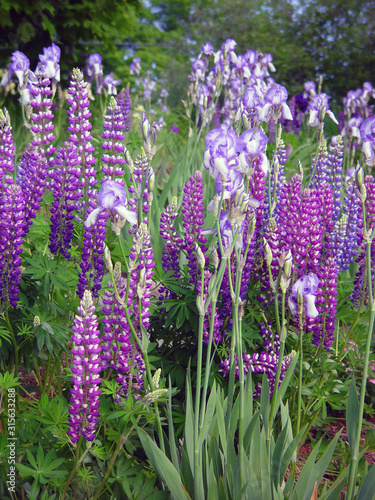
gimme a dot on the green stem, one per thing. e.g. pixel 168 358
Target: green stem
pixel 120 444
pixel 76 465
pixel 299 404
pixel 355 456
pixel 198 480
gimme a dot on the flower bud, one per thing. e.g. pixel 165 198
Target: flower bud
pixel 107 258
pixel 250 230
pixel 145 127
pixel 200 257
pixel 288 265
pixel 267 252
pixel 215 258
pixel 36 321
pixel 156 378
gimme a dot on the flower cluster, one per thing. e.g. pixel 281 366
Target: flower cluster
pixel 84 400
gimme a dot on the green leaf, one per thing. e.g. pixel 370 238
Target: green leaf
pixel 367 491
pixel 352 416
pixel 163 467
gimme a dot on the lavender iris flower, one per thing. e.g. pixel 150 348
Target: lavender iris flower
pixel 49 62
pixel 19 66
pixel 95 70
pixel 227 232
pixel 207 49
pixel 306 287
pixel 310 90
pixel 110 84
pixel 368 137
pixel 222 151
pixel 111 198
pixel 275 104
pixel 318 108
pixel 198 69
pixel 254 143
pixel 135 67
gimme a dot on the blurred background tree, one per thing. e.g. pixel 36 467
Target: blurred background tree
pixel 334 38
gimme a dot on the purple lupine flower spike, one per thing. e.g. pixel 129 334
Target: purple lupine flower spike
pixel 79 128
pixel 113 156
pixel 64 185
pixel 124 102
pixel 192 217
pixel 12 214
pixel 92 260
pixel 31 176
pixel 173 243
pixel 42 116
pixel 84 400
pixel 323 326
pixel 116 338
pixel 7 147
pixel 346 239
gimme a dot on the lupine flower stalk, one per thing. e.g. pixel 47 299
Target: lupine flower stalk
pixel 12 211
pixel 32 177
pixel 124 102
pixel 84 400
pixel 192 217
pixel 42 116
pixel 323 326
pixel 64 183
pixel 79 128
pixel 113 156
pixel 7 147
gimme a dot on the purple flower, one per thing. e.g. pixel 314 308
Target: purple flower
pixel 32 177
pixel 192 217
pixel 318 108
pixel 79 128
pixel 254 143
pixel 305 289
pixel 84 400
pixel 124 102
pixel 207 49
pixel 95 70
pixel 7 147
pixel 198 69
pixel 112 198
pixel 49 62
pixel 310 90
pixel 323 327
pixel 228 233
pixel 135 67
pixel 368 137
pixel 275 104
pixel 110 84
pixel 222 151
pixel 12 218
pixel 64 185
pixel 174 129
pixel 114 149
pixel 19 66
